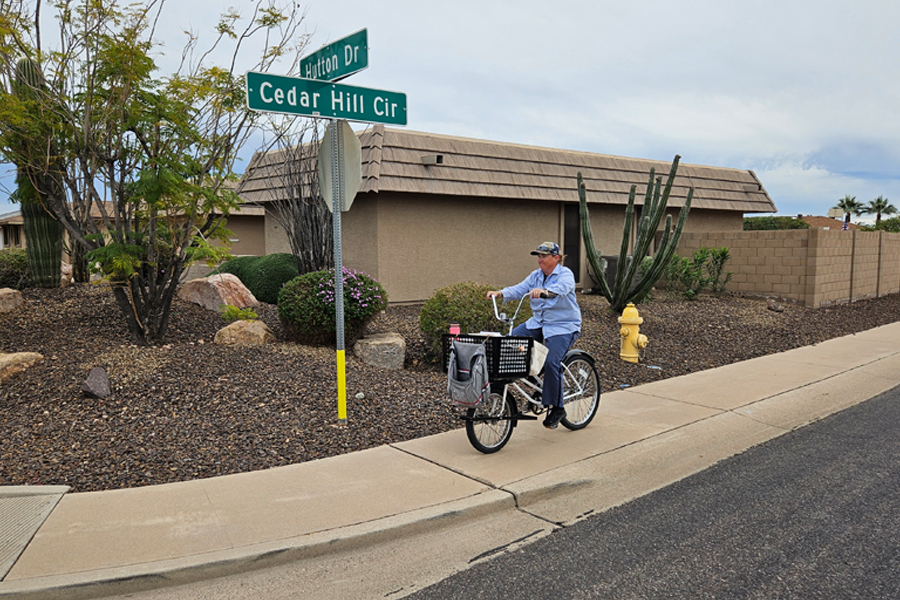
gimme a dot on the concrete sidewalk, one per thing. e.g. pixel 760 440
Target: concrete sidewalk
pixel 643 438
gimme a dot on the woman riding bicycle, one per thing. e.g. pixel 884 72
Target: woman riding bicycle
pixel 556 322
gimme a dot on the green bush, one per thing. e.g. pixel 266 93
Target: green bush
pixel 233 313
pixel 891 225
pixel 717 278
pixel 464 303
pixel 268 274
pixel 687 277
pixel 14 270
pixel 772 223
pixel 684 276
pixel 264 276
pixel 237 266
pixel 306 306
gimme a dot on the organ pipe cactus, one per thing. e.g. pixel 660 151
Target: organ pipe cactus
pixel 656 198
pixel 43 232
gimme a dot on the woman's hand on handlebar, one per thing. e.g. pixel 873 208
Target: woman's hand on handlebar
pixel 539 293
pixel 493 294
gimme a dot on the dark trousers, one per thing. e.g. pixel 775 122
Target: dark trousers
pixel 557 346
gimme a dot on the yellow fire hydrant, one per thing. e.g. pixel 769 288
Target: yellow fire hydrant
pixel 632 339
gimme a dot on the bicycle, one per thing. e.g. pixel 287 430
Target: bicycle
pixel 489 424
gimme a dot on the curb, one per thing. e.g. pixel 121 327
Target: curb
pixel 144 577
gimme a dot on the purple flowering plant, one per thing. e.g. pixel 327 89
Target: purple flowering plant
pixel 306 305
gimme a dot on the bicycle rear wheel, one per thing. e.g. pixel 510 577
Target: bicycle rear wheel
pixel 581 391
pixel 489 425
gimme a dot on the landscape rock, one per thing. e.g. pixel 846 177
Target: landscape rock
pixel 66 274
pixel 384 350
pixel 245 333
pixel 10 300
pixel 216 290
pixel 16 362
pixel 97 384
pixel 772 305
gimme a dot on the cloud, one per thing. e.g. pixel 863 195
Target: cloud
pixel 812 189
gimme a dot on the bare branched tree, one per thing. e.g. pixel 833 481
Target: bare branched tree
pixel 282 178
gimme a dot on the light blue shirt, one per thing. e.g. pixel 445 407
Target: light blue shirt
pixel 554 316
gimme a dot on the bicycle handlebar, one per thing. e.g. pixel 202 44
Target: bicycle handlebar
pixel 501 316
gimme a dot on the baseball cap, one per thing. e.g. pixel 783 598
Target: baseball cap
pixel 547 248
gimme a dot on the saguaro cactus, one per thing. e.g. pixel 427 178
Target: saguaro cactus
pixel 656 199
pixel 43 232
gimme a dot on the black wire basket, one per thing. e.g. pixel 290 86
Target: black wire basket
pixel 508 357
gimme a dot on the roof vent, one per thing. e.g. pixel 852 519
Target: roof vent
pixel 433 159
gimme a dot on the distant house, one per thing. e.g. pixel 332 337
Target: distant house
pixel 825 222
pixel 246 226
pixel 433 210
pixel 11 230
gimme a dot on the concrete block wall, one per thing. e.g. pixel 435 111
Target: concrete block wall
pixel 889 272
pixel 830 267
pixel 866 258
pixel 814 267
pixel 765 263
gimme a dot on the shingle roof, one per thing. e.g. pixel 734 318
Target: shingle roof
pixel 826 222
pixel 392 162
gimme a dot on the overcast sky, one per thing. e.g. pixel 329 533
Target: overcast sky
pixel 805 93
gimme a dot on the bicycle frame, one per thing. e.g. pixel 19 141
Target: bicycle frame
pixel 534 386
pixel 528 395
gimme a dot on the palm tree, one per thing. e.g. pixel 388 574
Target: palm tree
pixel 880 206
pixel 849 204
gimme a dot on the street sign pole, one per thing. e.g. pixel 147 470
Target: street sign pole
pixel 317 95
pixel 337 189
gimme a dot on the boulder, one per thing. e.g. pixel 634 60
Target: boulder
pixel 97 384
pixel 245 333
pixel 216 290
pixel 384 350
pixel 773 305
pixel 10 300
pixel 16 362
pixel 66 274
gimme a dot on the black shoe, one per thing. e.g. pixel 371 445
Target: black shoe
pixel 554 416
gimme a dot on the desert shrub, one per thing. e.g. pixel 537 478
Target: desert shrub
pixel 891 225
pixel 687 277
pixel 684 276
pixel 237 266
pixel 464 303
pixel 233 313
pixel 264 276
pixel 14 270
pixel 772 223
pixel 306 306
pixel 717 278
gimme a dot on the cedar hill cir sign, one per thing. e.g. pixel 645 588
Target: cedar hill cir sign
pixel 324 99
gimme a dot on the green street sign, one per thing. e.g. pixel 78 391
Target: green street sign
pixel 338 59
pixel 315 98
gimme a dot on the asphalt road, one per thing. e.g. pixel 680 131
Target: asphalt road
pixel 811 514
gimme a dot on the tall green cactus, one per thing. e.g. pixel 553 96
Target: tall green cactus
pixel 43 231
pixel 656 199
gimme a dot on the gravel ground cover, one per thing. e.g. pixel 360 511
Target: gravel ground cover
pixel 190 409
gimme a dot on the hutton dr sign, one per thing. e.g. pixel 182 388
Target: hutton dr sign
pixel 317 98
pixel 339 59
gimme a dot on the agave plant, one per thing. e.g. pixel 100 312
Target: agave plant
pixel 625 289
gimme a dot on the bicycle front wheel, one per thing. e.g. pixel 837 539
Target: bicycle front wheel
pixel 581 391
pixel 489 425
